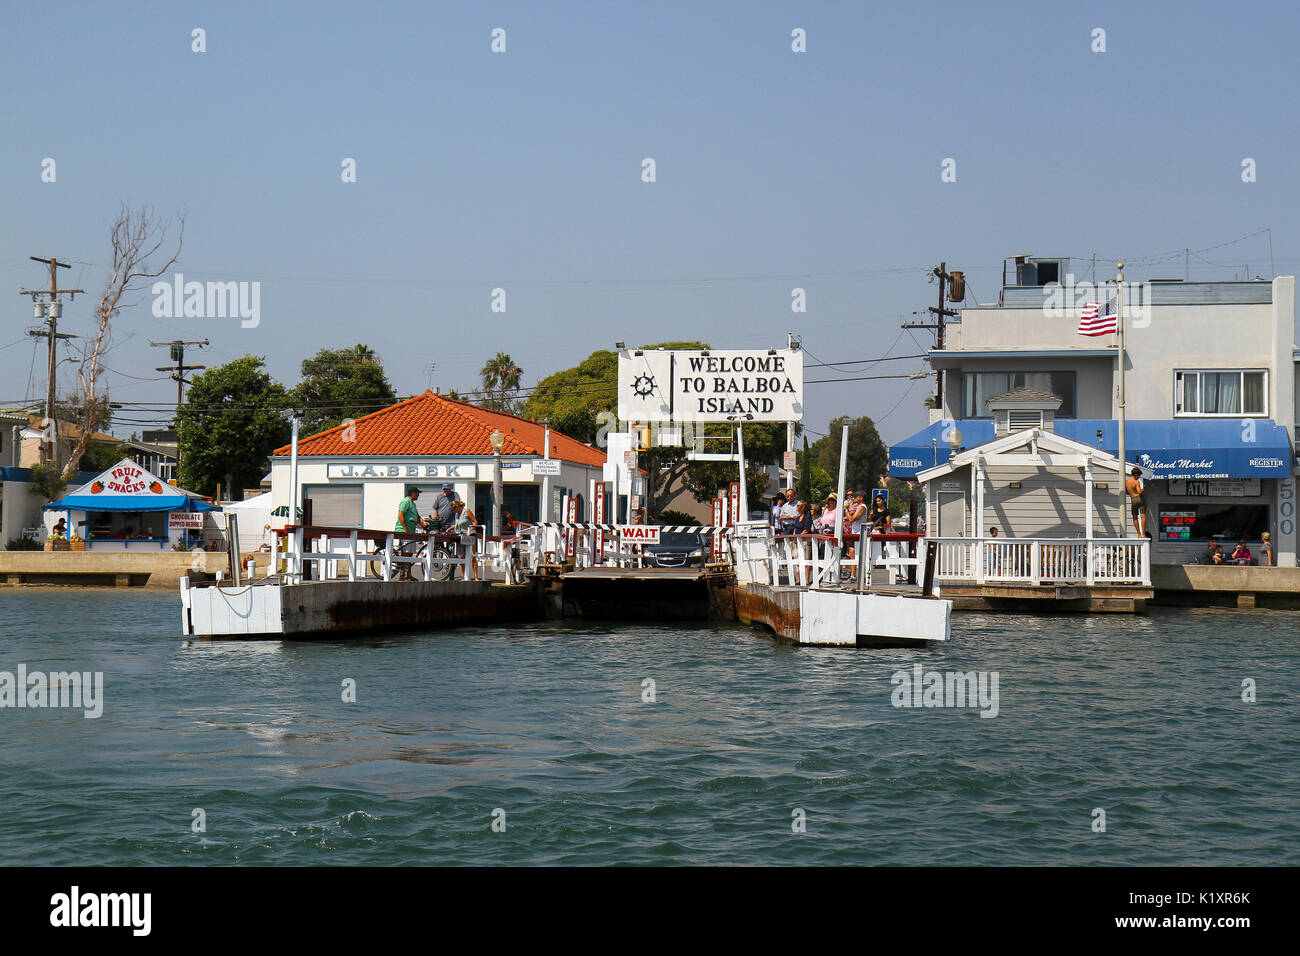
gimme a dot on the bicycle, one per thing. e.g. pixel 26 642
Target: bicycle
pixel 414 571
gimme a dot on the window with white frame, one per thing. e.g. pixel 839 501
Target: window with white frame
pixel 1227 392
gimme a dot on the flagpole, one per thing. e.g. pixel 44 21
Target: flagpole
pixel 1119 333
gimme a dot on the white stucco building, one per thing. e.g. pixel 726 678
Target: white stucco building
pixel 355 475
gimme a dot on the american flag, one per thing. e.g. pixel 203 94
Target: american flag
pixel 1097 319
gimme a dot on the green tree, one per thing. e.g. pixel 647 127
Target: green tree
pixel 764 442
pixel 902 494
pixel 868 456
pixel 232 419
pixel 338 384
pixel 500 377
pixel 705 479
pixel 574 398
pixel 804 484
pixel 101 456
pixel 48 480
pixel 822 484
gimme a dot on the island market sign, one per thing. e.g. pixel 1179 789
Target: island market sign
pixel 382 470
pixel 1224 464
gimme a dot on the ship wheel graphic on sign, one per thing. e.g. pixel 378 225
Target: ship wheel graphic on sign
pixel 643 385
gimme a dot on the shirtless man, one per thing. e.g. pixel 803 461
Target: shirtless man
pixel 1133 485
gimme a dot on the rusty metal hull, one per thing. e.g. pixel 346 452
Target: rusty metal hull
pixel 774 608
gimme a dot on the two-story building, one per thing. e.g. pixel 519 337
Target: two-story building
pixel 1210 399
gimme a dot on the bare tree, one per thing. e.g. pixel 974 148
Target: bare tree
pixel 137 236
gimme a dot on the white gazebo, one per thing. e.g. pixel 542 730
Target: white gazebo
pixel 1052 501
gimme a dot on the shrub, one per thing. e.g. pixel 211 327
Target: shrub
pixel 22 544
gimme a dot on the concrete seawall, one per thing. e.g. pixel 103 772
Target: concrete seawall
pixel 162 569
pixel 1203 585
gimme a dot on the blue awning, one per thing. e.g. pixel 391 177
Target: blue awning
pixel 1163 448
pixel 100 503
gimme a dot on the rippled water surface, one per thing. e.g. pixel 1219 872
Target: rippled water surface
pixel 1141 717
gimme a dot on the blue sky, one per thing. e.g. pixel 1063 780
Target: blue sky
pixel 522 170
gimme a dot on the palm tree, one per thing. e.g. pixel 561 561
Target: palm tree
pixel 500 376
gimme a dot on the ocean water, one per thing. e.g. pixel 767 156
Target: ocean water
pixel 747 742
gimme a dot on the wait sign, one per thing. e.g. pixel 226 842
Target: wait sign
pixel 639 533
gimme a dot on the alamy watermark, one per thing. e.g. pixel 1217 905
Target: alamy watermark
pixel 74 689
pixel 77 909
pixel 1072 297
pixel 921 688
pixel 208 300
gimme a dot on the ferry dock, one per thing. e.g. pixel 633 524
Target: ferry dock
pixel 354 590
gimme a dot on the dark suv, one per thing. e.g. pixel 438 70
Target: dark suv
pixel 677 549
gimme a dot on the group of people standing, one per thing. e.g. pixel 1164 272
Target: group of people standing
pixel 450 515
pixel 791 516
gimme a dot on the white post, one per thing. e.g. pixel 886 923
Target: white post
pixel 839 493
pixel 1087 523
pixel 293 473
pixel 1119 340
pixel 744 491
pixel 789 446
pixel 545 509
pixel 497 491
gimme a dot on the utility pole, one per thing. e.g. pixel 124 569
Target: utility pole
pixel 51 312
pixel 952 288
pixel 178 373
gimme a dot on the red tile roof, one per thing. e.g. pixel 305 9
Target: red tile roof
pixel 432 424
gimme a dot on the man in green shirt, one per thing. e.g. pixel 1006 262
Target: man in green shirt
pixel 408 517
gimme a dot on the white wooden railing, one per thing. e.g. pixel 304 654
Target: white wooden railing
pixel 347 553
pixel 1044 560
pixel 810 560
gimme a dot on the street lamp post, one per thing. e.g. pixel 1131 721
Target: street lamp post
pixel 545 508
pixel 498 440
pixel 295 420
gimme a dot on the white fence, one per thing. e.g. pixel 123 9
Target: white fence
pixel 816 560
pixel 1044 560
pixel 355 553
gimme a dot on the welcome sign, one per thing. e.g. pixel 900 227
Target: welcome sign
pixel 712 385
